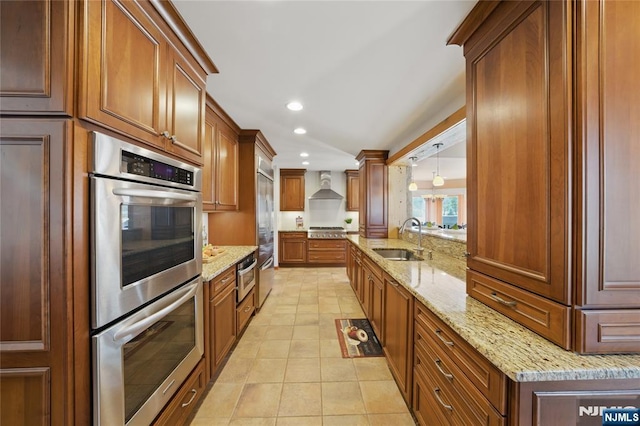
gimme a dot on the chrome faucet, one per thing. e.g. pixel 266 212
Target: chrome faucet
pixel 419 249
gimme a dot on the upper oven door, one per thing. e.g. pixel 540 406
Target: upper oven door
pixel 146 241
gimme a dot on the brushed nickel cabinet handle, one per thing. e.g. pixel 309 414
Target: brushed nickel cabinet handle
pixel 511 304
pixel 436 392
pixel 393 283
pixel 446 342
pixel 195 392
pixel 449 376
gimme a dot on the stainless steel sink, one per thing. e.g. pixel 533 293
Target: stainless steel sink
pixel 397 254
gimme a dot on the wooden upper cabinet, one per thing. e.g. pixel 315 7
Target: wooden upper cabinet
pixel 36 53
pixel 608 154
pixel 353 190
pixel 35 295
pixel 221 159
pixel 517 153
pixel 373 193
pixel 137 79
pixel 292 189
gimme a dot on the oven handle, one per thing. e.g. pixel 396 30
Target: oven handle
pixel 135 328
pixel 248 269
pixel 150 193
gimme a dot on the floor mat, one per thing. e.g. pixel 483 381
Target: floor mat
pixel 357 338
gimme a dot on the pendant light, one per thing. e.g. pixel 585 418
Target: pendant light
pixel 413 186
pixel 438 180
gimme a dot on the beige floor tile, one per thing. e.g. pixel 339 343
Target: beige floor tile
pixel 382 397
pixel 307 318
pixel 403 419
pixel 214 421
pixel 337 370
pixel 257 421
pixel 278 332
pixel 259 400
pixel 306 332
pixel 302 370
pixel 246 349
pixel 255 332
pixel 341 398
pixel 329 331
pixel 304 349
pixel 330 348
pixel 352 420
pixel 374 368
pixel 299 399
pixel 220 401
pixel 299 421
pixel 285 309
pixel 283 319
pixel 273 349
pixel 289 299
pixel 235 370
pixel 267 371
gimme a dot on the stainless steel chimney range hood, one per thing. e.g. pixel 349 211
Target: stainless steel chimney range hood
pixel 325 192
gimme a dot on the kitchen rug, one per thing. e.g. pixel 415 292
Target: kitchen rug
pixel 357 338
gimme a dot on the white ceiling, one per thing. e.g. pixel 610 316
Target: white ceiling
pixel 370 74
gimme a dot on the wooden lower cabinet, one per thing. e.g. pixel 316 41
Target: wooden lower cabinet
pixel 327 251
pixel 186 399
pixel 244 311
pixel 221 325
pixel 293 248
pixel 398 333
pixel 373 294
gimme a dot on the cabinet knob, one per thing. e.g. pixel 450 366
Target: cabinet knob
pixel 166 134
pixel 467 254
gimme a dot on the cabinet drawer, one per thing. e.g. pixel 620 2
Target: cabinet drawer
pixel 608 331
pixel 327 256
pixel 221 281
pixel 327 244
pixel 549 319
pixel 485 376
pixel 185 399
pixel 244 310
pixel 453 403
pixel 292 235
pixel 372 266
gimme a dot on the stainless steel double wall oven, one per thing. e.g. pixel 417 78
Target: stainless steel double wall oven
pixel 146 295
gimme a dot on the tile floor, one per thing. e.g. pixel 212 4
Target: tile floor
pixel 287 368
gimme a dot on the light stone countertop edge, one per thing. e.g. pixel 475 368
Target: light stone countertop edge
pixel 221 262
pixel 516 351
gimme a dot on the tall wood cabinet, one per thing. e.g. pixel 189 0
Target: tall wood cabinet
pixel 552 167
pixel 220 158
pixel 292 189
pixel 373 194
pixel 36 293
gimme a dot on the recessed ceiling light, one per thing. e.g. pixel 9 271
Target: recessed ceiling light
pixel 305 163
pixel 294 106
pixel 304 154
pixel 299 131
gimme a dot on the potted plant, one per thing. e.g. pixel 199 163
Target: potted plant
pixel 348 222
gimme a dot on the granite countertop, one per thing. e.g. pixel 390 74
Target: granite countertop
pixel 519 353
pixel 221 262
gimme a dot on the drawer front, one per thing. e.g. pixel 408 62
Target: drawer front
pixel 185 399
pixel 244 310
pixel 424 407
pixel 228 277
pixel 327 257
pixel 328 244
pixel 549 319
pixel 608 331
pixel 372 266
pixel 292 235
pixel 485 376
pixel 454 401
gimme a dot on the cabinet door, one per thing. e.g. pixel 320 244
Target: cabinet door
pixel 398 332
pixel 373 194
pixel 123 71
pixel 226 173
pixel 209 162
pixel 353 190
pixel 186 99
pixel 518 83
pixel 36 50
pixel 35 295
pixel 223 323
pixel 376 307
pixel 293 251
pixel 608 154
pixel 292 189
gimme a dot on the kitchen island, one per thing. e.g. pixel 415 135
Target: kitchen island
pixel 523 376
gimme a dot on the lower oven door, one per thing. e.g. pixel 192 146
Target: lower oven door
pixel 140 362
pixel 246 280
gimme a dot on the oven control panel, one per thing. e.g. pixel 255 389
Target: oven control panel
pixel 142 166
